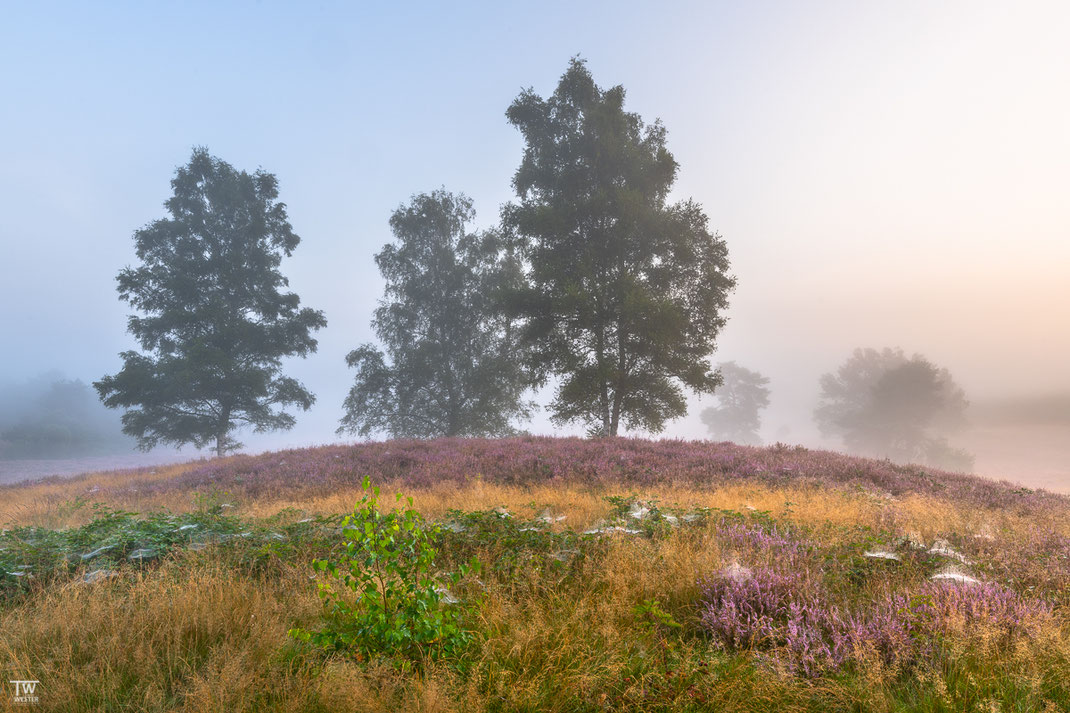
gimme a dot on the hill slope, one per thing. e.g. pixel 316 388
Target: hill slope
pixel 617 575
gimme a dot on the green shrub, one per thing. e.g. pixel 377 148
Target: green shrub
pixel 652 619
pixel 396 604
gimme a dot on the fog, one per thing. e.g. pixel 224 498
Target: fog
pixel 884 175
pixel 52 416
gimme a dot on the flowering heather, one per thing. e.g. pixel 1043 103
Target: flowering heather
pixel 790 614
pixel 752 611
pixel 820 590
pixel 602 462
pixel 1035 560
pixel 758 543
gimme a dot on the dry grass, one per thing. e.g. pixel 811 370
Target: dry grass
pixel 43 503
pixel 47 504
pixel 196 634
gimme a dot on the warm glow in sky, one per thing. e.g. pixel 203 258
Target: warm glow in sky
pixel 884 173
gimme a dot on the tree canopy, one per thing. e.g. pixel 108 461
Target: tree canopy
pixel 451 366
pixel 740 400
pixel 215 318
pixel 625 293
pixel 882 403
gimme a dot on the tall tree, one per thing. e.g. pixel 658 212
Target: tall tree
pixel 740 400
pixel 883 403
pixel 451 366
pixel 216 320
pixel 625 292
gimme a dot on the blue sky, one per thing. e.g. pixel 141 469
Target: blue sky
pixel 885 174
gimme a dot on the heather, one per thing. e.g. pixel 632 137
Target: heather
pixel 639 463
pixel 613 576
pixel 811 635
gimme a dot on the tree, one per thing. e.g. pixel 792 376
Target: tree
pixel 882 403
pixel 625 292
pixel 741 397
pixel 451 366
pixel 52 417
pixel 216 322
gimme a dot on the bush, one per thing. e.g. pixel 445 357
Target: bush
pixel 397 605
pixel 792 615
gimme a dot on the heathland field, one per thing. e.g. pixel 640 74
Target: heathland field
pixel 537 574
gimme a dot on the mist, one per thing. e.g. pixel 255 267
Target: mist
pixel 884 176
pixel 49 416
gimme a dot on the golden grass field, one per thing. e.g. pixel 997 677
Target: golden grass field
pixel 205 631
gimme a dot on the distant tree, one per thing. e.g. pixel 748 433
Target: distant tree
pixel 451 366
pixel 625 292
pixel 885 404
pixel 216 322
pixel 53 417
pixel 740 399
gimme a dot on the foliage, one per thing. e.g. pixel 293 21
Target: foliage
pixel 625 292
pixel 740 399
pixel 402 607
pixel 748 609
pixel 511 546
pixel 111 541
pixel 653 619
pixel 451 366
pixel 216 323
pixel 884 404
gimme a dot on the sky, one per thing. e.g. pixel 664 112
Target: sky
pixel 884 174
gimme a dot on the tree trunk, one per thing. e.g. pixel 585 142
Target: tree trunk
pixel 614 416
pixel 620 383
pixel 604 395
pixel 221 432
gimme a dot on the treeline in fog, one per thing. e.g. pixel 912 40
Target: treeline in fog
pixel 592 285
pixel 878 403
pixel 50 416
